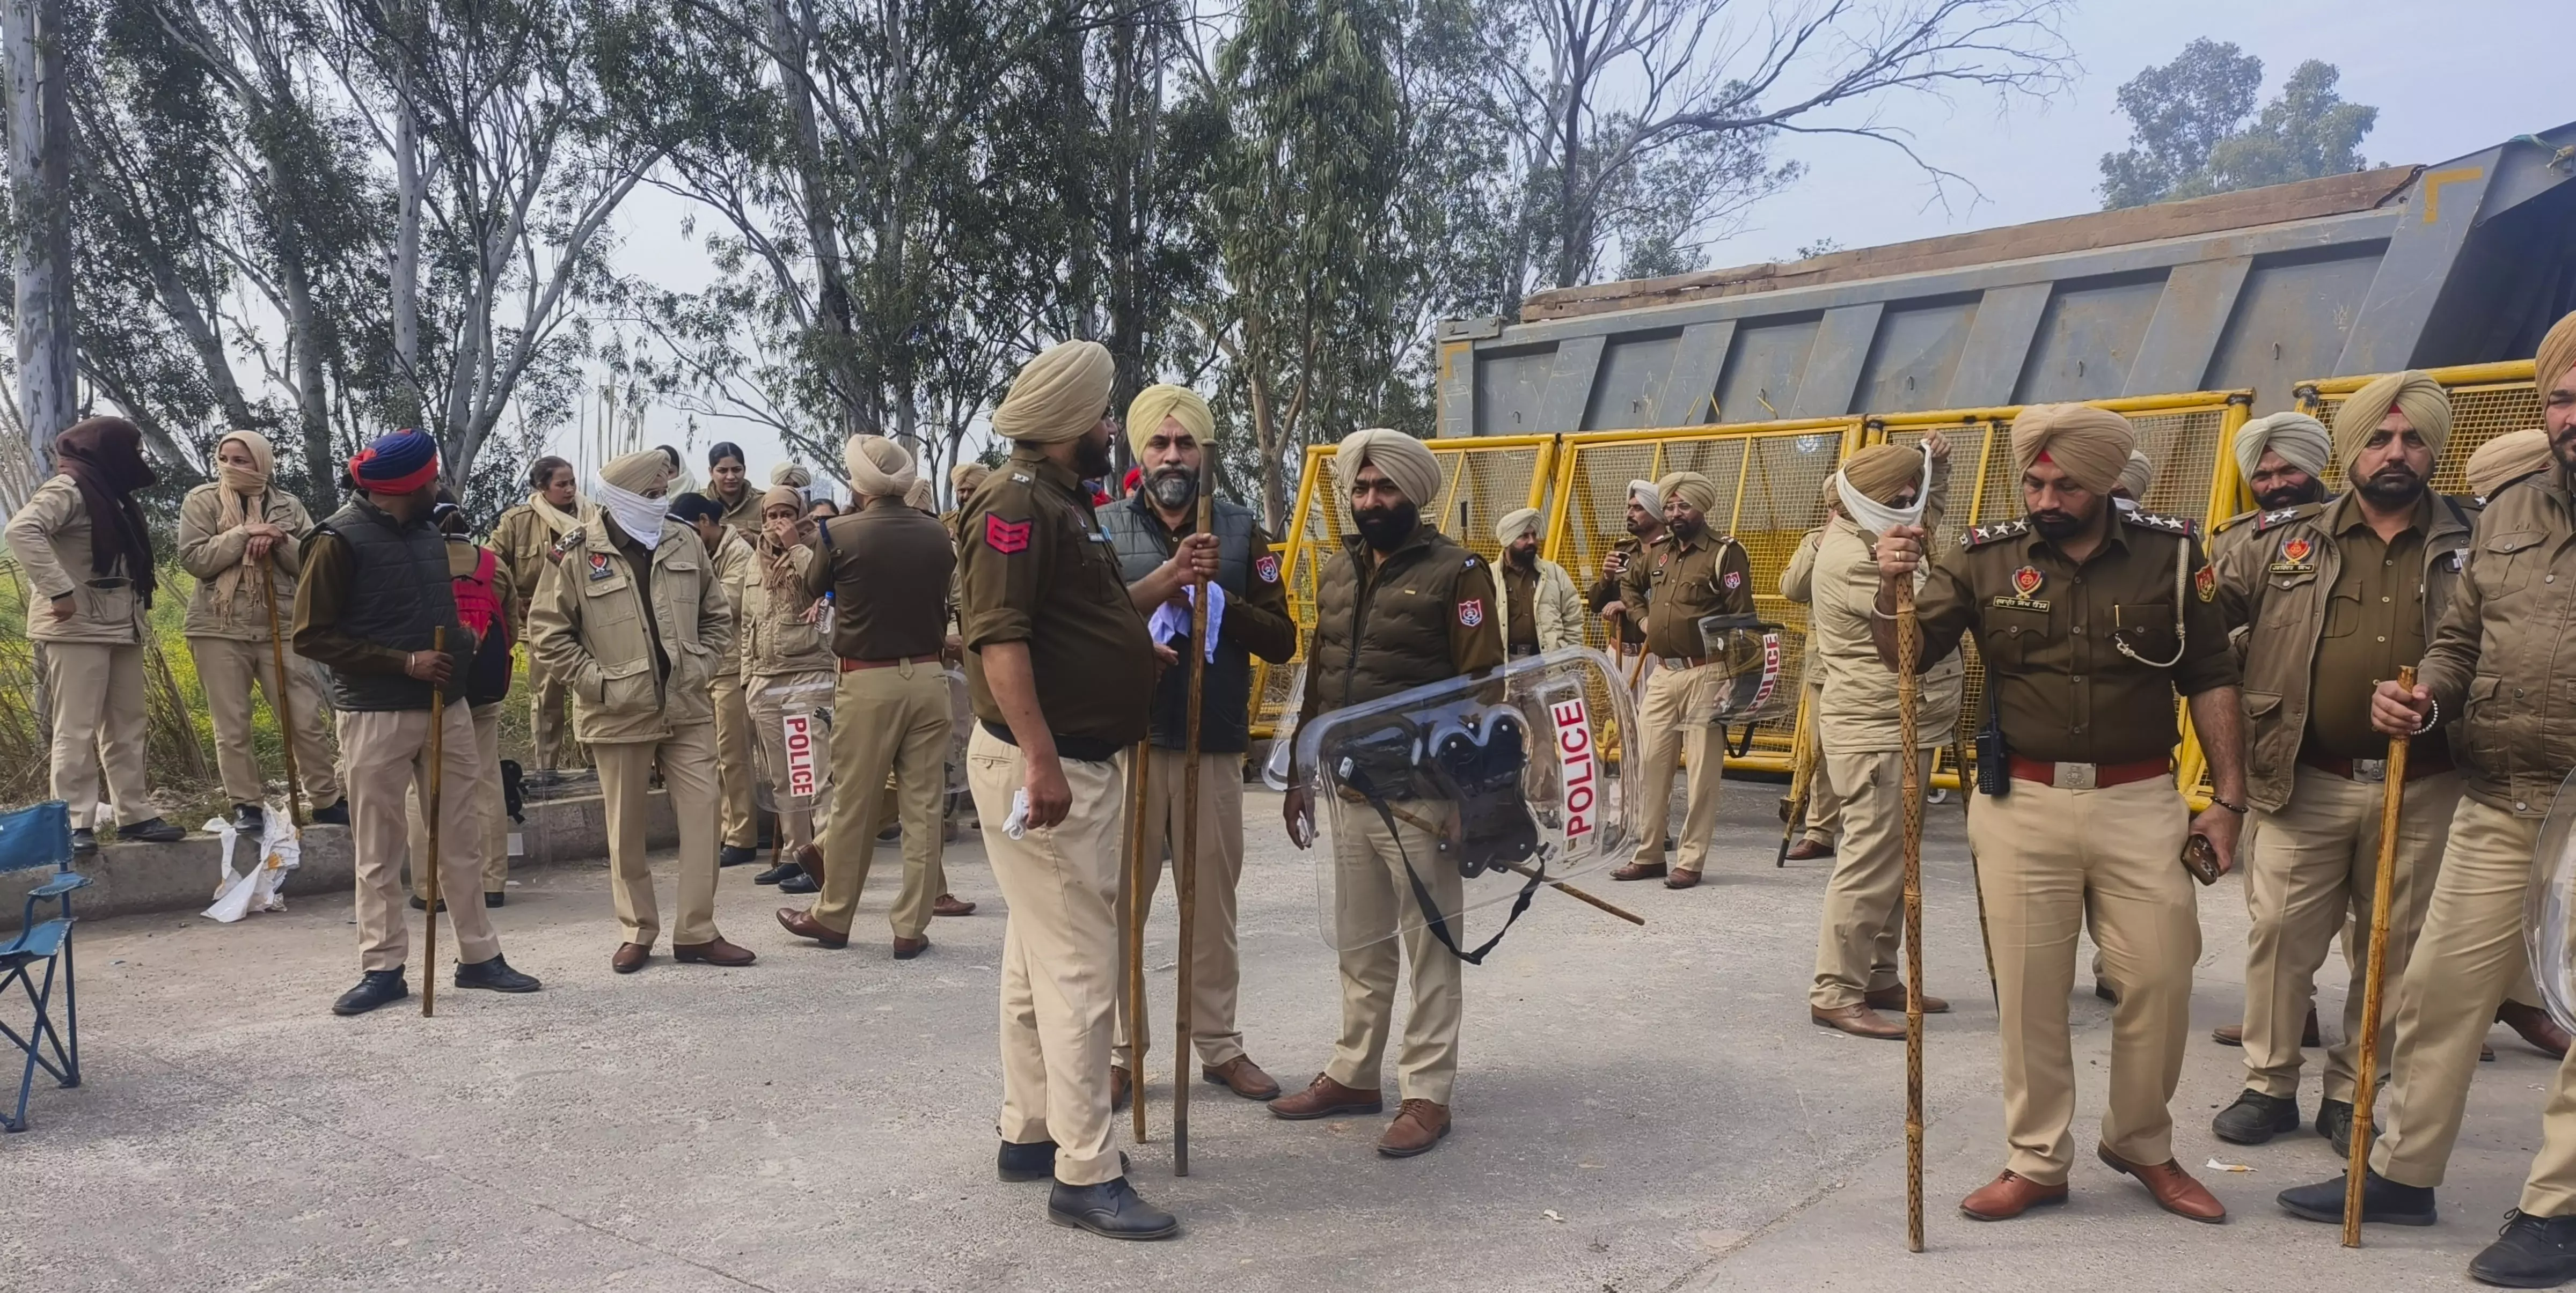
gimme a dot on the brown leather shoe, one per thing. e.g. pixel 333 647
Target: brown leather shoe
pixel 2173 1188
pixel 1894 999
pixel 715 951
pixel 1323 1098
pixel 630 957
pixel 1859 1021
pixel 2536 1027
pixel 801 923
pixel 907 948
pixel 1681 879
pixel 1122 1088
pixel 1639 871
pixel 2234 1034
pixel 2008 1196
pixel 1243 1077
pixel 948 905
pixel 1810 850
pixel 1418 1126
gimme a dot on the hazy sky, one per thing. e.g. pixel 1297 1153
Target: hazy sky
pixel 2448 79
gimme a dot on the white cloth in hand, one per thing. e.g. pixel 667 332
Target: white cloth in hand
pixel 1171 623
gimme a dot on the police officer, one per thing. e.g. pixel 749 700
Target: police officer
pixel 2493 667
pixel 729 546
pixel 1063 676
pixel 1160 551
pixel 1645 525
pixel 2088 623
pixel 886 567
pixel 729 485
pixel 1823 822
pixel 635 622
pixel 787 668
pixel 1692 574
pixel 527 539
pixel 1400 606
pixel 376 589
pixel 1540 611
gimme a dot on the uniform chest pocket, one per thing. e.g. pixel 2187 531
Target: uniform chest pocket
pixel 2505 562
pixel 2012 637
pixel 2343 615
pixel 2288 601
pixel 2148 629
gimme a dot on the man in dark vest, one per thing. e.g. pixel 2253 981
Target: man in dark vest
pixel 1159 553
pixel 1400 606
pixel 376 589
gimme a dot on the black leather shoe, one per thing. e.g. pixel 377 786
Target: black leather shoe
pixel 418 905
pixel 375 988
pixel 2334 1122
pixel 1034 1161
pixel 335 815
pixel 778 874
pixel 249 819
pixel 2383 1202
pixel 2529 1253
pixel 494 975
pixel 799 883
pixel 84 840
pixel 2255 1118
pixel 1110 1209
pixel 731 856
pixel 495 898
pixel 151 830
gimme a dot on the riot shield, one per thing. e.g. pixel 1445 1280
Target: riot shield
pixel 1464 794
pixel 1753 688
pixel 792 763
pixel 2549 905
pixel 1283 733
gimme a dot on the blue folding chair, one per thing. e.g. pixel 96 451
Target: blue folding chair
pixel 29 838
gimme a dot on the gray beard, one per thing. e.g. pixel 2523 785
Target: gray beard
pixel 1172 490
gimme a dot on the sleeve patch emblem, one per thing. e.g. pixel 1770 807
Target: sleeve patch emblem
pixel 2207 582
pixel 1268 568
pixel 1471 612
pixel 1005 537
pixel 1734 580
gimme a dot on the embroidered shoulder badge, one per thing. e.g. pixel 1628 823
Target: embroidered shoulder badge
pixel 599 566
pixel 1734 580
pixel 1005 537
pixel 1471 612
pixel 1267 568
pixel 2207 582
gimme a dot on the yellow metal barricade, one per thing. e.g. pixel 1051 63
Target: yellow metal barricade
pixel 2487 400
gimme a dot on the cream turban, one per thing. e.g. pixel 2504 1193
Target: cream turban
pixel 2138 475
pixel 1146 412
pixel 2506 459
pixel 2091 444
pixel 782 496
pixel 1406 461
pixel 1515 524
pixel 1883 471
pixel 1690 487
pixel 964 477
pixel 790 475
pixel 1058 396
pixel 879 468
pixel 2302 442
pixel 639 471
pixel 2426 405
pixel 1644 494
pixel 922 497
pixel 2557 355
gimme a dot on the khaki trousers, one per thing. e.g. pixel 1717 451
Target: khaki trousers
pixel 2314 861
pixel 1824 821
pixel 1372 901
pixel 687 760
pixel 99 726
pixel 228 669
pixel 387 754
pixel 741 823
pixel 1059 957
pixel 1864 917
pixel 2049 862
pixel 1216 967
pixel 889 720
pixel 1665 733
pixel 769 701
pixel 2468 958
pixel 550 717
pixel 490 845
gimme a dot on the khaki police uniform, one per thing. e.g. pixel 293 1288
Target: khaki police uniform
pixel 2091 830
pixel 787 667
pixel 888 570
pixel 2497 669
pixel 739 826
pixel 490 843
pixel 93 662
pixel 1385 623
pixel 228 637
pixel 1676 584
pixel 525 543
pixel 1823 822
pixel 1035 567
pixel 2329 612
pixel 638 636
pixel 1856 720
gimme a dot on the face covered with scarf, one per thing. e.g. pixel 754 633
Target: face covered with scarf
pixel 631 489
pixel 104 457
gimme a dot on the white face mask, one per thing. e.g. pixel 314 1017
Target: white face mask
pixel 640 517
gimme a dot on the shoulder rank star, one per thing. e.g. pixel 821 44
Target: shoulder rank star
pixel 2271 519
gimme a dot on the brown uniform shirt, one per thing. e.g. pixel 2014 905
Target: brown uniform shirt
pixel 1521 588
pixel 1605 591
pixel 1674 584
pixel 886 567
pixel 2374 623
pixel 1037 568
pixel 2050 631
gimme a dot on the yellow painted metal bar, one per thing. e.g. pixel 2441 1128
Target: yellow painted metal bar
pixel 1541 471
pixel 2505 372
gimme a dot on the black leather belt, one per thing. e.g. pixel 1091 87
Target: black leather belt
pixel 1087 749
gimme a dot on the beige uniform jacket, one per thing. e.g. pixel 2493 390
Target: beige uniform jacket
pixel 1559 611
pixel 524 543
pixel 733 566
pixel 2502 665
pixel 2270 581
pixel 50 539
pixel 206 554
pixel 1857 713
pixel 776 639
pixel 589 627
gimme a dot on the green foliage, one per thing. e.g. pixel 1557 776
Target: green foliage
pixel 2194 130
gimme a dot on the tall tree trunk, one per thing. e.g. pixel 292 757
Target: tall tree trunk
pixel 40 151
pixel 403 274
pixel 1082 252
pixel 792 33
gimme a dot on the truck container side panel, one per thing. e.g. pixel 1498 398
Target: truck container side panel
pixel 1998 341
pixel 1910 362
pixel 2088 337
pixel 1762 375
pixel 1509 389
pixel 2176 351
pixel 1634 369
pixel 2290 320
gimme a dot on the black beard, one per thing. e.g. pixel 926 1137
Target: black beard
pixel 2392 487
pixel 1383 528
pixel 1645 528
pixel 1173 488
pixel 1684 528
pixel 1091 457
pixel 1525 558
pixel 2057 525
pixel 2292 496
